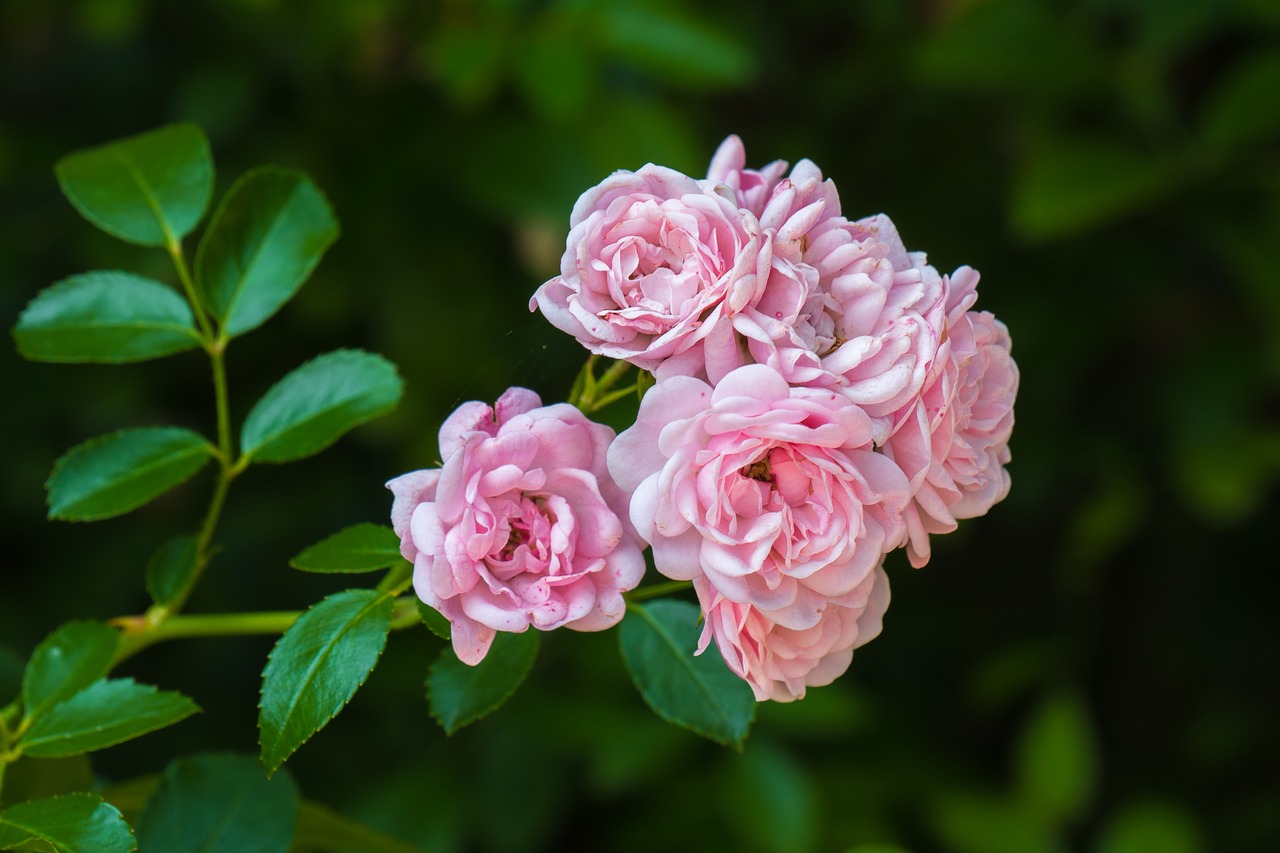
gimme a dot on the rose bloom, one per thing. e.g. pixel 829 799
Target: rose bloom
pixel 953 443
pixel 656 269
pixel 522 525
pixel 779 663
pixel 771 493
pixel 872 312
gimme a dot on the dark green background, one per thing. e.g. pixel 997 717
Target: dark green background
pixel 1091 667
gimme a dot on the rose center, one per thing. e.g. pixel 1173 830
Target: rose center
pixel 758 470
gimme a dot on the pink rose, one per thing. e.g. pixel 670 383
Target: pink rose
pixel 522 525
pixel 953 443
pixel 780 662
pixel 751 187
pixel 771 493
pixel 656 267
pixel 870 313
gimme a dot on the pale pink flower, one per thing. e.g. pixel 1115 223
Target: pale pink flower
pixel 872 312
pixel 953 443
pixel 657 265
pixel 773 494
pixel 751 187
pixel 521 526
pixel 780 662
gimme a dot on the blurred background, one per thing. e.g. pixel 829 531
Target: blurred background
pixel 1091 667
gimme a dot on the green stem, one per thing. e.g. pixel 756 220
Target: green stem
pixel 658 590
pixel 188 285
pixel 4 762
pixel 139 632
pixel 597 405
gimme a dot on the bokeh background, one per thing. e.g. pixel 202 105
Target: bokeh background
pixel 1091 667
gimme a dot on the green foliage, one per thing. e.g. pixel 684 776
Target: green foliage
pixel 38 778
pixel 105 713
pixel 70 659
pixel 1151 826
pixel 317 403
pixel 980 823
pixel 1057 761
pixel 75 823
pixel 171 568
pixel 695 691
pixel 1245 110
pixel 219 804
pixel 266 237
pixel 433 619
pixel 671 43
pixel 317 666
pixel 460 694
pixel 768 801
pixel 108 317
pixel 358 548
pixel 150 189
pixel 112 474
pixel 1070 185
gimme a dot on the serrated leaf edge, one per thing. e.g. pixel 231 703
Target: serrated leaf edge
pixel 154 690
pixel 374 415
pixel 626 662
pixel 391 560
pixel 448 650
pixel 78 795
pixel 271 659
pixel 85 446
pixel 131 167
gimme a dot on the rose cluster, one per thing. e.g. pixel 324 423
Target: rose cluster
pixel 822 398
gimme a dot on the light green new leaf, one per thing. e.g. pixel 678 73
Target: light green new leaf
pixel 115 473
pixel 460 694
pixel 105 713
pixel 170 569
pixel 358 548
pixel 317 666
pixel 219 804
pixel 1057 760
pixel 314 405
pixel 110 316
pixel 67 661
pixel 74 823
pixel 698 692
pixel 268 234
pixel 147 189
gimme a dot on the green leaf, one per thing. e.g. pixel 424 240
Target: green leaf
pixel 1244 110
pixel 768 800
pixel 1057 760
pixel 459 694
pixel 219 804
pixel 317 666
pixel 148 189
pixel 1151 826
pixel 111 317
pixel 112 474
pixel 1069 186
pixel 668 43
pixel 170 569
pixel 105 713
pixel 321 828
pixel 37 778
pixel 982 823
pixel 698 692
pixel 67 661
pixel 268 234
pixel 434 620
pixel 75 823
pixel 314 405
pixel 359 548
